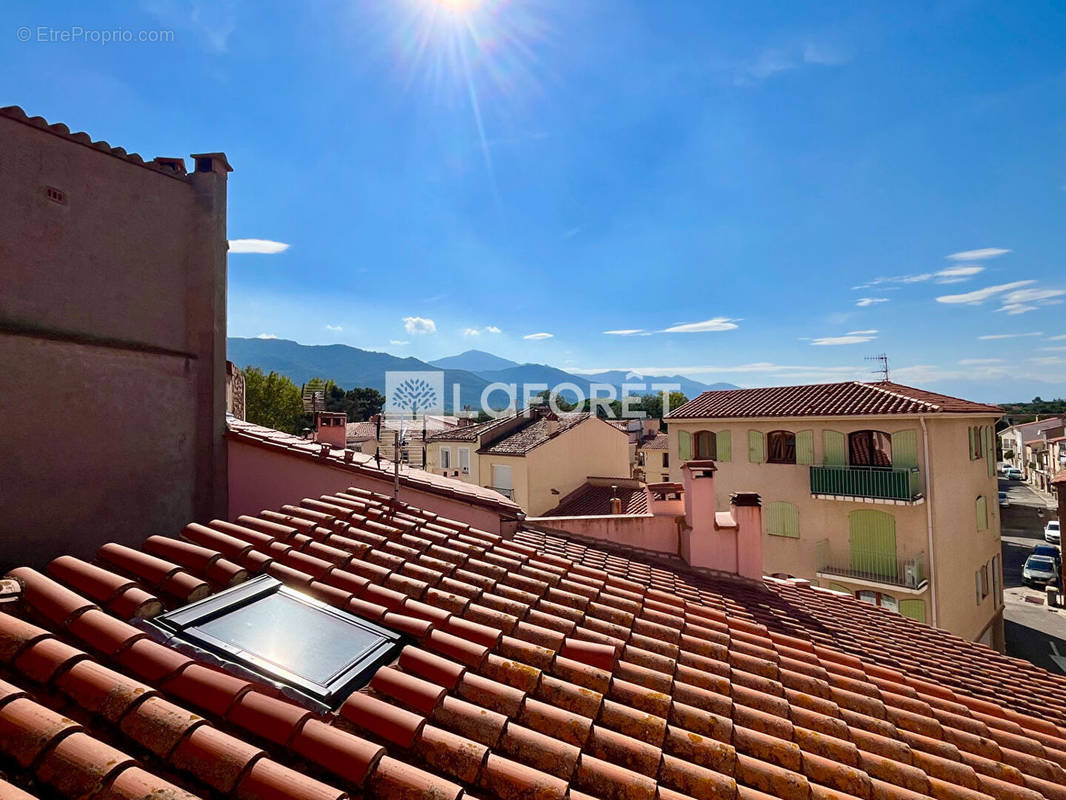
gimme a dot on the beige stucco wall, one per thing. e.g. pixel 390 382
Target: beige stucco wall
pixel 959 548
pixel 591 449
pixel 112 329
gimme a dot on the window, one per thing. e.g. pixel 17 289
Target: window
pixel 997 600
pixel 464 460
pixel 869 449
pixel 684 445
pixel 878 599
pixel 666 459
pixel 981 507
pixel 781 447
pixel 705 445
pixel 285 637
pixel 445 457
pixel 976 442
pixel 981 579
pixel 781 519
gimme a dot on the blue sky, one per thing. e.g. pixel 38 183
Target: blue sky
pixel 472 174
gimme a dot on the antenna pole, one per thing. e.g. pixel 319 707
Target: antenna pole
pixel 882 370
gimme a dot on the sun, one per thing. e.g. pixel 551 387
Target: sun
pixel 458 6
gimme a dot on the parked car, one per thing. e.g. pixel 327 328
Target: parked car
pixel 1014 474
pixel 1052 533
pixel 1051 551
pixel 1039 569
pixel 1004 501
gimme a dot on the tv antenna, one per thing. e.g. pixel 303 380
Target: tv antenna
pixel 882 370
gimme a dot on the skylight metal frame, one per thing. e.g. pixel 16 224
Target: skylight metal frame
pixel 184 625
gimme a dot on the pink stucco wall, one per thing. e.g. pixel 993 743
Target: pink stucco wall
pixel 260 479
pixel 112 343
pixel 658 533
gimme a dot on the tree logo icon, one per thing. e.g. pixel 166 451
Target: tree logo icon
pixel 411 394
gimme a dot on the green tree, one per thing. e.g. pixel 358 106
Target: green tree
pixel 272 400
pixel 362 403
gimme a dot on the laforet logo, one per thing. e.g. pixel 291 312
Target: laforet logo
pixel 414 393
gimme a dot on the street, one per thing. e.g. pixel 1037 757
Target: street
pixel 1033 631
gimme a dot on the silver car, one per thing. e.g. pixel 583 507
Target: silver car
pixel 1039 569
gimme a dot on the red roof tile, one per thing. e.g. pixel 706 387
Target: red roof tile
pixel 852 398
pixel 558 668
pixel 594 499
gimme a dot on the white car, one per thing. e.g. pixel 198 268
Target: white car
pixel 1014 474
pixel 1052 533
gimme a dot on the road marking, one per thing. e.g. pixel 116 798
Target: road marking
pixel 1060 661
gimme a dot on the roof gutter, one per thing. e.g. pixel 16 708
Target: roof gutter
pixel 929 520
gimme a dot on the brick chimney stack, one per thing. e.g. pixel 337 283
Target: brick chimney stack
pixel 729 541
pixel 331 428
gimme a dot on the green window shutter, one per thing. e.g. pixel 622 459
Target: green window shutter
pixel 972 448
pixel 805 447
pixel 990 450
pixel 684 445
pixel 725 446
pixel 915 609
pixel 873 543
pixel 782 519
pixel 905 449
pixel 982 513
pixel 756 447
pixel 834 449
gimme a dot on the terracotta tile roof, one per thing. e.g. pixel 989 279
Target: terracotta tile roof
pixel 172 167
pixel 364 463
pixel 594 499
pixel 361 431
pixel 826 400
pixel 533 434
pixel 467 433
pixel 657 441
pixel 539 667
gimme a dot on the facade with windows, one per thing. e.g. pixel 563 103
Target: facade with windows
pixel 882 491
pixel 535 459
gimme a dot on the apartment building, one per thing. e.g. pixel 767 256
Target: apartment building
pixel 879 490
pixel 536 457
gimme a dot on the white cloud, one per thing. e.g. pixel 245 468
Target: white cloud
pixel 862 333
pixel 977 255
pixel 492 329
pixel 625 332
pixel 775 60
pixel 1023 300
pixel 832 341
pixel 256 246
pixel 863 302
pixel 1046 360
pixel 419 325
pixel 947 275
pixel 397 342
pixel 267 336
pixel 1053 349
pixel 1058 338
pixel 709 325
pixel 989 336
pixel 471 332
pixel 958 274
pixel 978 296
pixel 334 328
pixel 979 361
pixel 538 336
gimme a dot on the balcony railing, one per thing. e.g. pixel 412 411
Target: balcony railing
pixel 873 482
pixel 508 492
pixel 872 566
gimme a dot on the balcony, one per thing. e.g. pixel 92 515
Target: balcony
pixel 871 566
pixel 902 485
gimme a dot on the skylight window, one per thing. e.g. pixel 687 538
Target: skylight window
pixel 285 637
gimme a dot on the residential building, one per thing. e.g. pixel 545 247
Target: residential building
pixel 534 457
pixel 653 456
pixel 1014 440
pixel 881 490
pixel 603 496
pixel 112 329
pixel 531 665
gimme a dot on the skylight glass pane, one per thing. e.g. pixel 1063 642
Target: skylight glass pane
pixel 293 635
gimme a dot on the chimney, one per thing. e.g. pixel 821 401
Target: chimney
pixel 331 428
pixel 552 421
pixel 616 501
pixel 729 541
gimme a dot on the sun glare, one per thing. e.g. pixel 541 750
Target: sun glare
pixel 458 6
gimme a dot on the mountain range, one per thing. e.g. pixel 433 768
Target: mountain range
pixel 471 371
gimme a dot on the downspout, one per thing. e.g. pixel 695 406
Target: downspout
pixel 929 518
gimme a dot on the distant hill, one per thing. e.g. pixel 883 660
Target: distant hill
pixel 351 367
pixel 474 361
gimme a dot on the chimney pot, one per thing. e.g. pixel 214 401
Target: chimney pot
pixel 745 499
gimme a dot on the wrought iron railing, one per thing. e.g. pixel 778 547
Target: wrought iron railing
pixel 872 565
pixel 874 482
